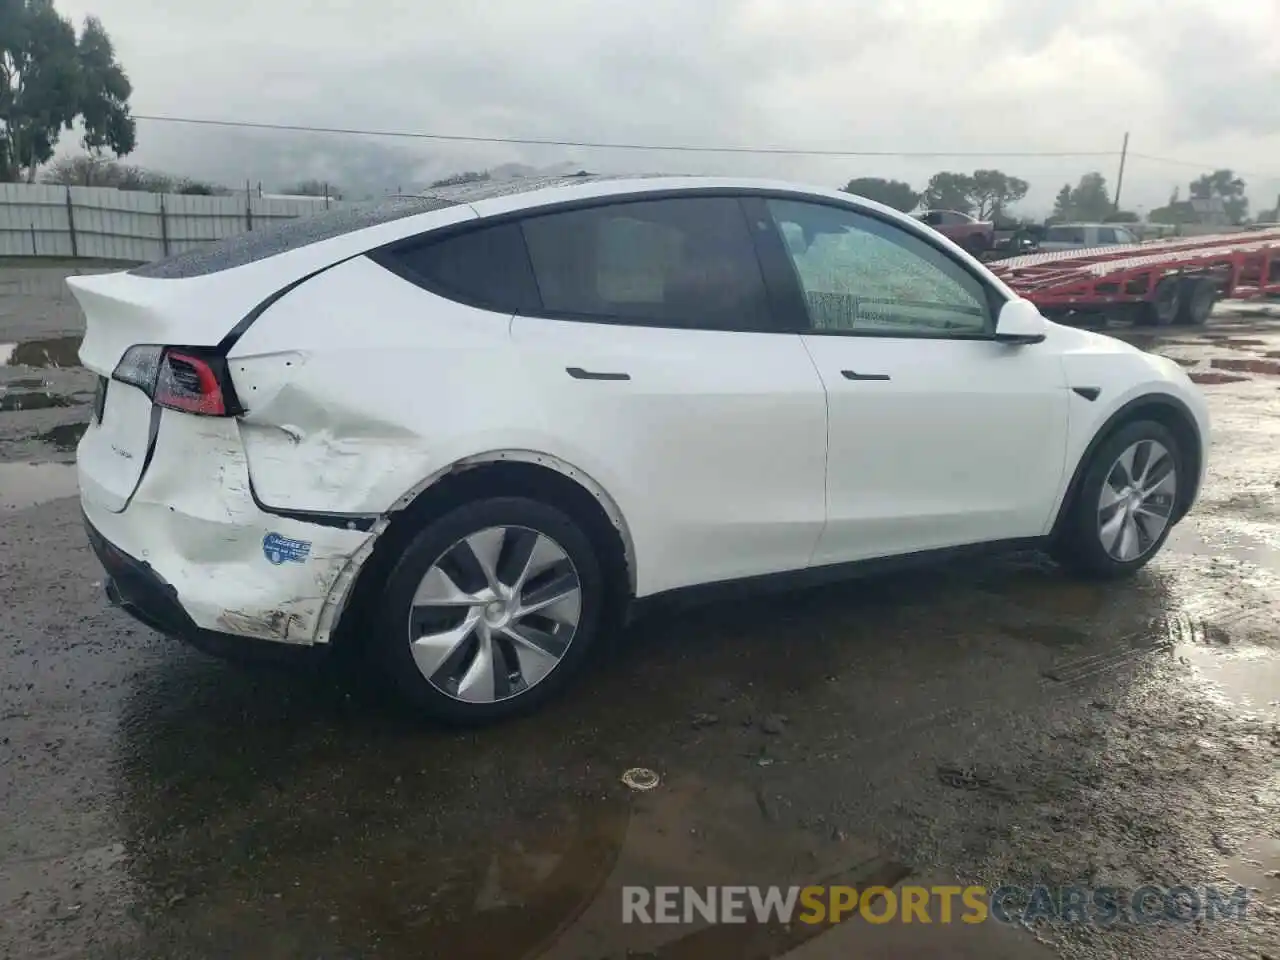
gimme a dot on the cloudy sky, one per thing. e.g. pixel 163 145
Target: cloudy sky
pixel 1193 81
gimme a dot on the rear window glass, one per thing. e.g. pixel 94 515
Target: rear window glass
pixel 280 238
pixel 487 267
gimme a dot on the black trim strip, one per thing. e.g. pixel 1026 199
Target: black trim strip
pixel 1089 393
pixel 851 375
pixel 341 521
pixel 827 573
pixel 233 336
pixel 153 434
pixel 579 374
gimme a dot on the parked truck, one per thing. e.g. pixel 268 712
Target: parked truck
pixel 1157 283
pixel 976 236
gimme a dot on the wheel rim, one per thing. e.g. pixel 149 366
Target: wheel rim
pixel 495 614
pixel 1137 500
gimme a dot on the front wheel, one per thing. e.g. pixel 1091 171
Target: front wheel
pixel 1123 511
pixel 490 611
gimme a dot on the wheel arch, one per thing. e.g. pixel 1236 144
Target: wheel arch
pixel 529 473
pixel 1163 408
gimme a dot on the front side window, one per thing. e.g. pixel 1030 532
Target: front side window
pixel 680 263
pixel 863 275
pixel 1107 235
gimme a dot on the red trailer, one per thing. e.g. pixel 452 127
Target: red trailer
pixel 1157 283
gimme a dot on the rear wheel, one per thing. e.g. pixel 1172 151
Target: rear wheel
pixel 1162 309
pixel 490 611
pixel 1197 298
pixel 1124 508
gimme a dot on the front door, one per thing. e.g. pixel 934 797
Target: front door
pixel 939 436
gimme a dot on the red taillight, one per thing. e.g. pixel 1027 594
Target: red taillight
pixel 179 379
pixel 189 383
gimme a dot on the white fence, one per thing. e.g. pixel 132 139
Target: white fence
pixel 109 224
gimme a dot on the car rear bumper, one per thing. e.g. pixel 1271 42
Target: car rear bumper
pixel 137 589
pixel 190 548
pixel 134 587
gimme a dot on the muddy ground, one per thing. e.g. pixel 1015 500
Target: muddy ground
pixel 992 723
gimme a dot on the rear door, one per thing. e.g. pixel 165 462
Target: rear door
pixel 659 367
pixel 939 436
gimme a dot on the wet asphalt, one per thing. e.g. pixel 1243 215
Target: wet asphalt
pixel 991 723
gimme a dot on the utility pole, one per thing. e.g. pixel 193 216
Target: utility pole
pixel 1124 152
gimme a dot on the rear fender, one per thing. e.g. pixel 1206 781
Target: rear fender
pixel 340 594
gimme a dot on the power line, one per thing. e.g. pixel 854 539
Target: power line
pixel 656 147
pixel 1190 164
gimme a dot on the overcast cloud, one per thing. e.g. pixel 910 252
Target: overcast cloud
pixel 1192 80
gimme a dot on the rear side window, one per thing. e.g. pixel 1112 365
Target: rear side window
pixel 679 263
pixel 486 267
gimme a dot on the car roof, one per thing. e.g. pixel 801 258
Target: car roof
pixel 322 238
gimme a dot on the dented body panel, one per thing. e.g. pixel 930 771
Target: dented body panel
pixel 193 520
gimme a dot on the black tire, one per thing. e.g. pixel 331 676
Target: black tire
pixel 977 245
pixel 1196 301
pixel 389 640
pixel 1077 545
pixel 1162 309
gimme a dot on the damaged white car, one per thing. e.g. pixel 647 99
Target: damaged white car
pixel 489 420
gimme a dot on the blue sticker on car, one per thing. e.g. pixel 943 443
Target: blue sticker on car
pixel 280 549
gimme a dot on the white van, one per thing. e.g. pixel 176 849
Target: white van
pixel 1078 236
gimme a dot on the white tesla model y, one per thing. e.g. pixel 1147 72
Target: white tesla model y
pixel 485 419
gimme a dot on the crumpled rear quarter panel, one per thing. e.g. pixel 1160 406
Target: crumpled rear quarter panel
pixel 194 520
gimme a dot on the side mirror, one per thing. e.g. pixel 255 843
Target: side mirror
pixel 1020 322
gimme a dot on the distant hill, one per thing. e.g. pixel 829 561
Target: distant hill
pixel 359 168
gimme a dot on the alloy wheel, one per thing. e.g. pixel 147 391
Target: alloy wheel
pixel 495 614
pixel 1137 500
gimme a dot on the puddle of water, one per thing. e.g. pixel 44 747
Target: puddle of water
pixel 1213 376
pixel 1270 367
pixel 50 352
pixel 65 436
pixel 24 485
pixel 1228 541
pixel 13 402
pixel 1250 679
pixel 1257 865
